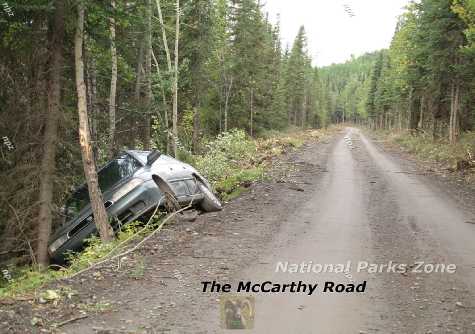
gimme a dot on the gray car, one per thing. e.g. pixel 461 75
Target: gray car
pixel 130 191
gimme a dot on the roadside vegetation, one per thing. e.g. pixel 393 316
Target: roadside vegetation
pixel 459 157
pixel 418 92
pixel 232 163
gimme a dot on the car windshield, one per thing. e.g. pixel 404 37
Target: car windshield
pixel 115 171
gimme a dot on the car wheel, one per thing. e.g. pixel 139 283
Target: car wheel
pixel 210 202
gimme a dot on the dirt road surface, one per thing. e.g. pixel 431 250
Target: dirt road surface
pixel 333 202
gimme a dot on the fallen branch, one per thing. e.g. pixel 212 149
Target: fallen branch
pixel 410 173
pixel 70 320
pixel 12 251
pixel 209 257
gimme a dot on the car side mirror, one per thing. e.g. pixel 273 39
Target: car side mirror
pixel 153 156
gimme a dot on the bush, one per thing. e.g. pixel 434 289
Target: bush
pixel 232 186
pixel 441 151
pixel 228 153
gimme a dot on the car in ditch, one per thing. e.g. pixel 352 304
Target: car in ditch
pixel 130 185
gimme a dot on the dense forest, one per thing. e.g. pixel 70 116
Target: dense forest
pixel 345 89
pixel 83 80
pixel 152 74
pixel 425 81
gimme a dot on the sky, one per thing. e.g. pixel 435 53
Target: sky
pixel 333 36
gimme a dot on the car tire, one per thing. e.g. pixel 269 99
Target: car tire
pixel 210 202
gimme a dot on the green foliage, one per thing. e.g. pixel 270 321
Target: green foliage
pixel 229 152
pixel 429 64
pixel 234 184
pixel 139 269
pixel 346 89
pixel 26 279
pixel 98 307
pixel 441 150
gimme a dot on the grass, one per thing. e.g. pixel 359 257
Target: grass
pixel 423 146
pixel 27 279
pixel 235 184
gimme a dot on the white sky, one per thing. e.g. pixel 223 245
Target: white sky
pixel 333 36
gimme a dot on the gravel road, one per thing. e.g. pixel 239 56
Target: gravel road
pixel 343 199
pixel 372 208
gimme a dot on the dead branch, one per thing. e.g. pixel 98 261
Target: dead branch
pixel 70 320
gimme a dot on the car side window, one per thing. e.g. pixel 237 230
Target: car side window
pixel 192 186
pixel 180 188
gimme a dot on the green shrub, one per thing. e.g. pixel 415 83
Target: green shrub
pixel 233 185
pixel 229 152
pixel 440 150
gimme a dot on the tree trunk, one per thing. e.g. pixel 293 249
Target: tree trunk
pixel 421 114
pixel 91 74
pixel 95 194
pixel 169 66
pixel 196 130
pixel 164 36
pixel 454 106
pixel 175 81
pixel 165 104
pixel 457 112
pixel 410 117
pixel 113 87
pixel 148 79
pixel 138 73
pixel 399 118
pixel 47 168
pixel 252 112
pixel 220 109
pixel 434 127
pixel 226 104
